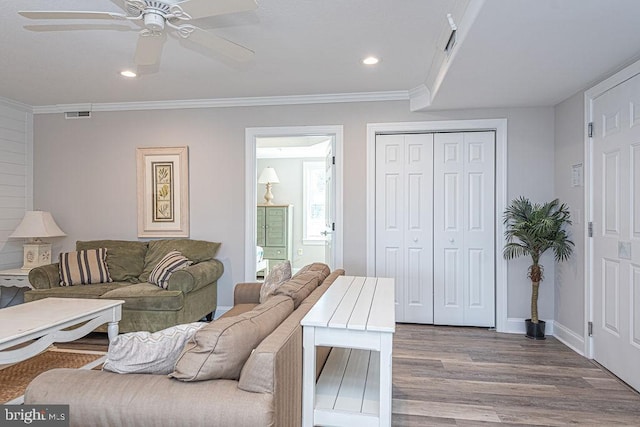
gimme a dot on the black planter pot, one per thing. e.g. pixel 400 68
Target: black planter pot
pixel 535 331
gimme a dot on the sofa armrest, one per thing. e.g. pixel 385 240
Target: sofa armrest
pixel 45 276
pixel 196 276
pixel 247 293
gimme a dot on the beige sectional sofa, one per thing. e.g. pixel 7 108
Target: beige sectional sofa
pixel 267 391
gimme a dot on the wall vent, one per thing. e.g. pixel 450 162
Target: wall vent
pixel 77 115
pixel 451 41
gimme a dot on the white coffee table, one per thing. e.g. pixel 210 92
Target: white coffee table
pixel 46 321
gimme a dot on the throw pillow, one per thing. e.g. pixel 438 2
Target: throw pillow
pixel 125 259
pixel 220 349
pixel 299 287
pixel 83 267
pixel 149 353
pixel 171 262
pixel 277 276
pixel 196 250
pixel 321 269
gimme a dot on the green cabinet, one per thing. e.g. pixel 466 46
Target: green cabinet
pixel 275 232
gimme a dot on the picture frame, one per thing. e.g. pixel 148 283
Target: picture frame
pixel 163 191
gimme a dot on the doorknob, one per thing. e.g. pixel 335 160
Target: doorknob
pixel 451 240
pixel 415 240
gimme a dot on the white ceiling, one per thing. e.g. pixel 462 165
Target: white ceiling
pixel 514 53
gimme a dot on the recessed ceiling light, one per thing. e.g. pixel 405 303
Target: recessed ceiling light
pixel 370 60
pixel 128 73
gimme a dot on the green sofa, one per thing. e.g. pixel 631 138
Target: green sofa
pixel 191 294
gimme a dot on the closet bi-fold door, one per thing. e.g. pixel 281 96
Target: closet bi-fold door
pixel 404 222
pixel 464 229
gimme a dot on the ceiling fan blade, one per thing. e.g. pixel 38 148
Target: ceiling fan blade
pixel 43 14
pixel 149 49
pixel 221 45
pixel 77 27
pixel 203 8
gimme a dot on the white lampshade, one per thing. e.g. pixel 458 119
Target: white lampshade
pixel 37 224
pixel 34 225
pixel 268 176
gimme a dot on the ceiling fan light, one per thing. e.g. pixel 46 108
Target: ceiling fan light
pixel 370 60
pixel 128 73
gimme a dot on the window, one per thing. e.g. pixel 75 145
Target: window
pixel 314 200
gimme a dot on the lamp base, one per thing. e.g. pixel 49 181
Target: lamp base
pixel 268 196
pixel 35 255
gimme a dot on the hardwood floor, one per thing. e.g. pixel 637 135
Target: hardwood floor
pixel 468 377
pixel 450 376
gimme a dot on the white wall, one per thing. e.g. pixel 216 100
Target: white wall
pixel 570 280
pixel 16 144
pixel 85 172
pixel 289 191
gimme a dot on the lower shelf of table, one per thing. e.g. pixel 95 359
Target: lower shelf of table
pixel 348 389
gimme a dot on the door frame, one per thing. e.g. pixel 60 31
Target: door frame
pixel 500 128
pixel 251 191
pixel 589 97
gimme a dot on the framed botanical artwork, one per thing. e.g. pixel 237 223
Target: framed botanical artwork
pixel 163 191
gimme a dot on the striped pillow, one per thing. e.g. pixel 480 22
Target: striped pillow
pixel 84 267
pixel 173 261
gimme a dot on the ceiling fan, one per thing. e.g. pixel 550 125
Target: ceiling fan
pixel 158 15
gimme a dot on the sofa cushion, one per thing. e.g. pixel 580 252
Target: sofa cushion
pixel 220 349
pixel 147 297
pixel 239 309
pixel 101 398
pixel 196 250
pixel 321 269
pixel 299 287
pixel 125 259
pixel 149 353
pixel 93 291
pixel 277 276
pixel 264 368
pixel 84 267
pixel 173 261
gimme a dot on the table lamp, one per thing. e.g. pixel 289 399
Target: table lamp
pixel 268 176
pixel 34 226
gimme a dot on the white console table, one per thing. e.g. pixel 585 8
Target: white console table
pixel 356 316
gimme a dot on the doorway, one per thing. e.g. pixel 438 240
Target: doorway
pixel 294 224
pixel 308 163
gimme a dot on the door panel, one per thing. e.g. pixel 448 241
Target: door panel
pixel 404 222
pixel 464 176
pixel 616 241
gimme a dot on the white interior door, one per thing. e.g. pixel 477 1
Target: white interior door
pixel 616 230
pixel 464 230
pixel 404 222
pixel 329 208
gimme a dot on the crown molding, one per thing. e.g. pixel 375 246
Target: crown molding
pixel 16 105
pixel 399 95
pixel 419 98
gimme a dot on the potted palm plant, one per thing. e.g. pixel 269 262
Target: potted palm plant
pixel 530 230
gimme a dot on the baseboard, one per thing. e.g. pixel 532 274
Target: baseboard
pixel 220 311
pixel 569 338
pixel 517 326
